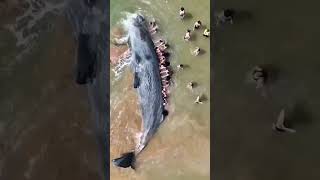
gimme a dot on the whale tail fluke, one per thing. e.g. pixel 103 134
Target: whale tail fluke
pixel 126 160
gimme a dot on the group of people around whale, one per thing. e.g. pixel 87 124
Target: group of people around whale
pixel 197 26
pixel 164 64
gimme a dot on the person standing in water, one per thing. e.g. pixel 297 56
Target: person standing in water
pixel 198 100
pixel 225 16
pixel 197 25
pixel 279 125
pixel 187 36
pixel 206 33
pixel 196 51
pixel 182 13
pixel 190 85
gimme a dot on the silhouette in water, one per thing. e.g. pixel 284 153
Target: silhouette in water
pixel 86 61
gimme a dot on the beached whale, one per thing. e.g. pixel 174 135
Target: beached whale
pixel 145 64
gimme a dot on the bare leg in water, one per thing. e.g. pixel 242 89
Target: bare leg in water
pixel 279 125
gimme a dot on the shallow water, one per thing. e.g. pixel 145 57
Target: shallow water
pixel 286 42
pixel 180 149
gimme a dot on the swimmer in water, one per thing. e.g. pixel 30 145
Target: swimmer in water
pixel 197 25
pixel 182 12
pixel 206 33
pixel 198 100
pixel 187 36
pixel 196 51
pixel 279 125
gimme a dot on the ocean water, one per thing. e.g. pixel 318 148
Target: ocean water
pixel 283 36
pixel 181 147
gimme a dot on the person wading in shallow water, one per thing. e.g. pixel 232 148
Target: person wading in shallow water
pixel 196 51
pixel 190 85
pixel 225 16
pixel 197 25
pixel 206 33
pixel 198 100
pixel 182 13
pixel 187 36
pixel 279 125
pixel 259 76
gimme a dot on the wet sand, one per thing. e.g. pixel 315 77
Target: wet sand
pixel 245 147
pixel 115 53
pixel 46 127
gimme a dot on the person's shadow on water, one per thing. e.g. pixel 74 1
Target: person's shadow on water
pixel 238 16
pixel 203 98
pixel 299 115
pixel 241 16
pixel 272 73
pixel 187 16
pixel 202 52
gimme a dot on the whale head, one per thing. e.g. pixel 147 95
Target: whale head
pixel 139 20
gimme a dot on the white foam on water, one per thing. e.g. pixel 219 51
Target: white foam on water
pixel 36 12
pixel 119 68
pixel 124 62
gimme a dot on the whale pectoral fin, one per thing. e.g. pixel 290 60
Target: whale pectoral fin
pixel 126 160
pixel 136 82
